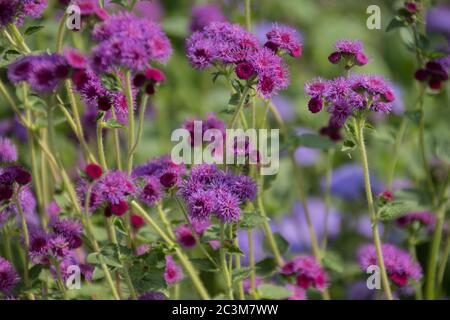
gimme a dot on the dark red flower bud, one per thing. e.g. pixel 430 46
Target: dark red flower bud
pixel 244 70
pixel 93 171
pixel 103 103
pixel 150 89
pixel 22 176
pixel 137 221
pixel 389 96
pixel 139 80
pixel 271 45
pixel 120 208
pixel 79 78
pixel 315 105
pixel 107 212
pixel 155 75
pixel 62 71
pixel 411 7
pixel 421 75
pixel 335 57
pixel 6 192
pixel 435 84
pixel 168 179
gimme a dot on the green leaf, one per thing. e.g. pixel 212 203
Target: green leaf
pixel 241 274
pixel 333 262
pixel 231 248
pixel 212 233
pixel 32 29
pixel 395 209
pixel 348 145
pixel 273 292
pixel 315 141
pixel 395 24
pixel 266 268
pixel 35 271
pixel 281 243
pixel 10 54
pixel 251 220
pixel 234 99
pixel 98 274
pixel 118 223
pixel 113 124
pixel 204 265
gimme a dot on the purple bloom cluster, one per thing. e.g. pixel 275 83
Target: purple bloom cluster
pixel 209 190
pixel 15 11
pixel 8 276
pixel 130 42
pixel 152 296
pixel 351 51
pixel 173 272
pixel 8 151
pixel 70 260
pixel 203 15
pixel 230 44
pixel 210 122
pixel 342 96
pixel 424 218
pixel 435 72
pixel 284 38
pixel 308 272
pixel 65 236
pixel 43 72
pixel 399 264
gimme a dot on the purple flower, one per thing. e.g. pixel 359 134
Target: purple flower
pixel 201 204
pixel 247 284
pixel 69 261
pixel 114 187
pixel 286 38
pixel 70 229
pixel 28 203
pixel 157 167
pixel 298 293
pixel 227 207
pixel 130 42
pixel 53 209
pixel 20 69
pixel 14 11
pixel 75 58
pixel 203 15
pixel 308 272
pixel 58 247
pixel 184 236
pixel 34 8
pixel 316 88
pixel 152 296
pixel 173 272
pixel 8 152
pixel 39 245
pixel 351 50
pixel 399 265
pixel 243 187
pixel 349 46
pixel 151 192
pixel 424 218
pixel 8 276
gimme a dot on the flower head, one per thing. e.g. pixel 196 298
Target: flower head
pixel 173 272
pixel 203 15
pixel 424 218
pixel 286 38
pixel 184 236
pixel 8 276
pixel 70 229
pixel 399 265
pixel 8 152
pixel 308 272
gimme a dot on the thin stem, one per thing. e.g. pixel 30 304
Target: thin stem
pixel 59 278
pixel 435 243
pixel 413 253
pixel 422 149
pixel 116 138
pixel 393 163
pixel 223 261
pixel 23 221
pixel 130 104
pixel 359 127
pixel 19 38
pixel 251 258
pixel 60 33
pixel 443 264
pixel 140 122
pixel 183 259
pixel 248 15
pixel 165 221
pixel 101 149
pixel 239 107
pixel 327 196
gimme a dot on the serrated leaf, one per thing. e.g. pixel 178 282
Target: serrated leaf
pixel 273 292
pixel 395 24
pixel 231 248
pixel 241 274
pixel 9 54
pixel 395 209
pixel 32 29
pixel 204 265
pixel 251 220
pixel 348 145
pixel 234 99
pixel 212 233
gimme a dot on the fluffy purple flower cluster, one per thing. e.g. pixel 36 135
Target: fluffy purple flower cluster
pixel 129 42
pixel 59 243
pixel 209 190
pixel 8 276
pixel 307 271
pixel 231 45
pixel 112 191
pixel 203 15
pixel 43 72
pixel 157 174
pixel 342 96
pixel 15 11
pixel 173 272
pixel 8 151
pixel 210 122
pixel 350 51
pixel 399 265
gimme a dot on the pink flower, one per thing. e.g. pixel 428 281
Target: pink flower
pixel 173 272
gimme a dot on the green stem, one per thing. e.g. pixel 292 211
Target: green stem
pixel 443 264
pixel 422 148
pixel 251 257
pixel 59 278
pixel 239 107
pixel 60 33
pixel 223 261
pixel 165 221
pixel 327 197
pixel 183 259
pixel 435 243
pixel 359 127
pixel 23 221
pixel 248 15
pixel 140 122
pixel 413 253
pixel 19 38
pixel 130 104
pixel 101 149
pixel 397 144
pixel 116 138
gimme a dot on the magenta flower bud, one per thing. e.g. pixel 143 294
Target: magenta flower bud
pixel 120 208
pixel 244 70
pixel 315 105
pixel 271 45
pixel 150 89
pixel 107 212
pixel 93 171
pixel 137 221
pixel 296 51
pixel 411 7
pixel 168 179
pixel 155 75
pixel 421 75
pixel 389 96
pixel 79 78
pixel 361 59
pixel 103 103
pixel 335 57
pixel 62 71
